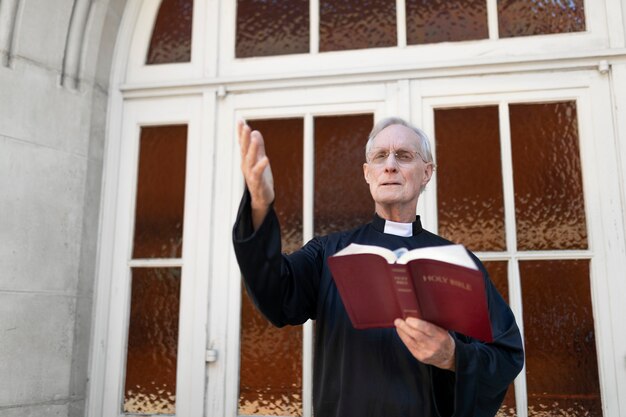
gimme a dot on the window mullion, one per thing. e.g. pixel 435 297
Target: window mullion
pixel 492 19
pixel 515 289
pixel 155 263
pixel 401 22
pixel 307 215
pixel 314 26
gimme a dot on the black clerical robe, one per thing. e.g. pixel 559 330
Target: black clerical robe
pixel 371 372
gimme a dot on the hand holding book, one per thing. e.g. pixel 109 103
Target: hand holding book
pixel 440 284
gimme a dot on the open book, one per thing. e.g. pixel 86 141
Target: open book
pixel 439 284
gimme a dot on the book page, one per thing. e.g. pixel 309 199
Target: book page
pixel 453 254
pixel 356 249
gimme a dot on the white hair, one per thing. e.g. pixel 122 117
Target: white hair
pixel 423 144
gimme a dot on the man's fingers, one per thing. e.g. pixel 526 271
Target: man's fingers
pixel 257 139
pixel 256 149
pixel 411 325
pixel 257 170
pixel 239 126
pixel 427 342
pixel 243 133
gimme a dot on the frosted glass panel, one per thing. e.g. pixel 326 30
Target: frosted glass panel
pixel 160 192
pixel 549 203
pixel 271 358
pixel 275 27
pixel 152 341
pixel 342 197
pixel 429 21
pixel 357 24
pixel 561 361
pixel 171 36
pixel 284 147
pixel 540 17
pixel 499 276
pixel 470 203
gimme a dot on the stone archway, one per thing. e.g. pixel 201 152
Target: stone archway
pixel 54 80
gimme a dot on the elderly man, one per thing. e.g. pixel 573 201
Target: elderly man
pixel 415 369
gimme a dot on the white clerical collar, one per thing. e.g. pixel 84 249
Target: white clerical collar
pixel 398 229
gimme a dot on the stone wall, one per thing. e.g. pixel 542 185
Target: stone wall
pixel 55 61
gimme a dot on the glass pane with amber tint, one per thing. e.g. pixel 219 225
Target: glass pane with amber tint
pixel 160 192
pixel 271 358
pixel 272 27
pixel 342 197
pixel 357 24
pixel 470 203
pixel 152 341
pixel 540 17
pixel 429 21
pixel 499 276
pixel 561 361
pixel 549 202
pixel 171 36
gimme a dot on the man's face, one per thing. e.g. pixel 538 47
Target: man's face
pixel 396 180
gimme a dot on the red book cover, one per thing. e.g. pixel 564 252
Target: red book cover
pixel 441 285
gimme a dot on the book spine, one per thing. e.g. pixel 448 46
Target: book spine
pixel 405 292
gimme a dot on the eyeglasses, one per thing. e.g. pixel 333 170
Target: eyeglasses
pixel 401 156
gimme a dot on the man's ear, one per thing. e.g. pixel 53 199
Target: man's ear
pixel 366 172
pixel 428 173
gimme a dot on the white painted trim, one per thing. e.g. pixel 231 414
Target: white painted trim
pixel 616 19
pixel 515 301
pixel 445 53
pixel 424 117
pixel 193 318
pixel 492 19
pixel 224 298
pixel 308 231
pixel 307 368
pixel 308 175
pixel 227 32
pixel 314 24
pixel 608 268
pixel 462 54
pixel 401 23
pixel 98 364
pixel 138 71
pixel 306 104
pixel 617 79
pixel 591 91
pixel 120 277
pixel 204 220
pixel 513 276
pixel 191 337
pixel 345 83
pixel 215 20
pixel 306 76
pixel 211 36
pixel 155 263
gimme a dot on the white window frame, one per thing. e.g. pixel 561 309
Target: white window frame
pixel 378 99
pixel 217 88
pixel 143 14
pixel 213 59
pixel 590 90
pixel 114 267
pixel 597 36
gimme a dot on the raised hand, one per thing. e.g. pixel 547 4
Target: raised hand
pixel 256 170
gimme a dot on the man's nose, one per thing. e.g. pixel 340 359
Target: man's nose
pixel 391 165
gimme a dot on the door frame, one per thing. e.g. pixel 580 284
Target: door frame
pixel 380 99
pixel 598 147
